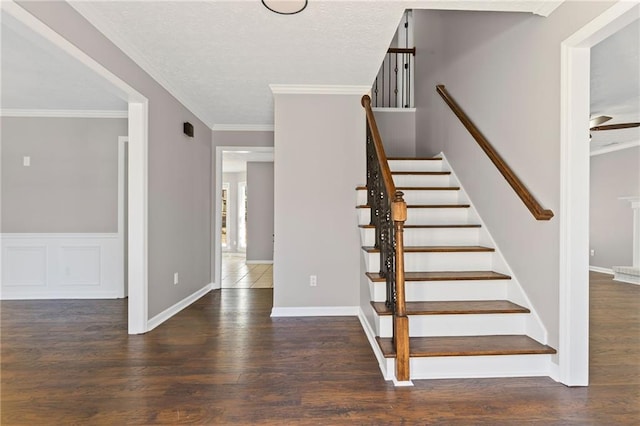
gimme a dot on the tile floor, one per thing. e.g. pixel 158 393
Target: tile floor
pixel 237 274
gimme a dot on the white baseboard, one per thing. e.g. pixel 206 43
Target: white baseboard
pixel 172 310
pixel 316 311
pixel 371 337
pixel 259 262
pixel 601 270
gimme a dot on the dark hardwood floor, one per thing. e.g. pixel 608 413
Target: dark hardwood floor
pixel 225 361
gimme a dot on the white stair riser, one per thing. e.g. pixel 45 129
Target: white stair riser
pixel 445 290
pixel 454 367
pixel 438 196
pixel 458 325
pixel 415 165
pixel 431 216
pixel 418 262
pixel 429 236
pixel 422 180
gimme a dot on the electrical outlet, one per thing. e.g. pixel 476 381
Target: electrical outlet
pixel 313 280
pixel 592 252
pixel 175 278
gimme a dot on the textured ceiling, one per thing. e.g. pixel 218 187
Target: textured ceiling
pixel 615 84
pixel 36 75
pixel 219 57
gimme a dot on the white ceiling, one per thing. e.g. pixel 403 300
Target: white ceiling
pixel 615 85
pixel 36 75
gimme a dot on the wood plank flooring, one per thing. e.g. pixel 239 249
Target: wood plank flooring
pixel 225 361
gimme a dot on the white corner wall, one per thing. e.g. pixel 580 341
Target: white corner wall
pixel 319 160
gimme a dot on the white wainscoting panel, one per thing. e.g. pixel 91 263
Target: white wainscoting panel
pixel 62 266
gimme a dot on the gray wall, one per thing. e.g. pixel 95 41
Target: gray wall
pixel 613 175
pixel 398 132
pixel 504 70
pixel 179 168
pixel 260 211
pixel 72 183
pixel 232 208
pixel 319 160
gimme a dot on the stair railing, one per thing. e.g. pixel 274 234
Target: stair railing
pixel 388 214
pixel 521 190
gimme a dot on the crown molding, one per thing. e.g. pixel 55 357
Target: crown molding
pixel 546 8
pixel 84 9
pixel 616 147
pixel 62 113
pixel 242 128
pixel 318 89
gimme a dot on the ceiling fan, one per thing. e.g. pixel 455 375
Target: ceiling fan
pixel 595 124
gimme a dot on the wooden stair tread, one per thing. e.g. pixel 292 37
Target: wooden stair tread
pixel 468 346
pixel 455 307
pixel 435 249
pixel 425 206
pixel 461 225
pixel 418 188
pixel 444 276
pixel 420 173
pixel 414 159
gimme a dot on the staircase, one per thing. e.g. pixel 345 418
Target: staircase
pixel 468 316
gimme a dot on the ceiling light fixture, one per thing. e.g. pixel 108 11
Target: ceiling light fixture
pixel 285 7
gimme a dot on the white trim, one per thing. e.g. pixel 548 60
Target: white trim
pixel 608 271
pixel 380 109
pixel 242 128
pixel 546 8
pixel 177 307
pixel 371 337
pixel 84 9
pixel 316 311
pixel 626 274
pixel 398 383
pixel 138 290
pixel 138 142
pixel 58 235
pixel 122 143
pixel 616 147
pixel 259 262
pixel 573 351
pixel 318 89
pixel 62 113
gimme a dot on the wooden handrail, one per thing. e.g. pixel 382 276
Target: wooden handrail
pixel 411 50
pixel 388 213
pixel 521 190
pixel 377 140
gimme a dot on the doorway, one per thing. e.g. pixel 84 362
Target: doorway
pixel 574 189
pixel 243 218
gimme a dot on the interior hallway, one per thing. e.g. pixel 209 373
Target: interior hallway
pixel 224 360
pixel 237 274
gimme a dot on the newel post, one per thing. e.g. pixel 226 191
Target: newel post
pixel 400 319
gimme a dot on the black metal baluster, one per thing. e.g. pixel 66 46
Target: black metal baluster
pixel 395 91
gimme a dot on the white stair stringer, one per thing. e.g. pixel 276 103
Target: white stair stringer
pixel 449 226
